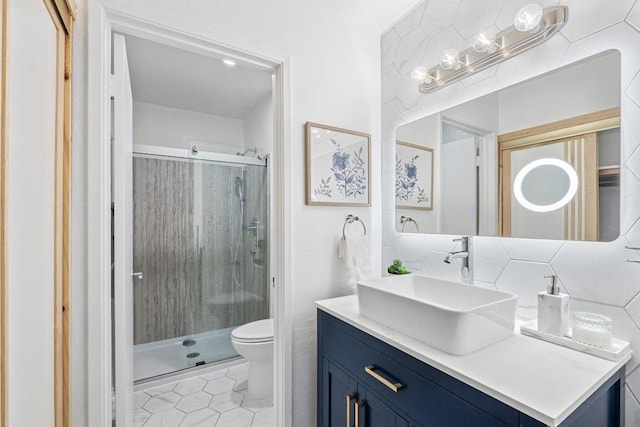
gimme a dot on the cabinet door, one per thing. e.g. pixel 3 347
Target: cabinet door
pixel 339 394
pixel 373 412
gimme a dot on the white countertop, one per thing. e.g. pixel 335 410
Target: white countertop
pixel 543 380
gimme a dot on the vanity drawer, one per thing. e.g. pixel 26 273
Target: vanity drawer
pixel 419 397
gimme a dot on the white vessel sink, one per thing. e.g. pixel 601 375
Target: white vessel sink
pixel 450 316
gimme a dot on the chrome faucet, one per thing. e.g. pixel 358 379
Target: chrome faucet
pixel 463 254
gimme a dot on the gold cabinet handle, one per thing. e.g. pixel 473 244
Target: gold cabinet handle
pixel 350 397
pixel 359 404
pixel 369 369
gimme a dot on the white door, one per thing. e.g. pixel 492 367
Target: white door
pixel 122 196
pixel 32 107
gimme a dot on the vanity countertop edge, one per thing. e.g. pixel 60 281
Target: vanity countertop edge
pixel 528 373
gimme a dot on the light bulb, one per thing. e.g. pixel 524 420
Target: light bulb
pixel 229 62
pixel 485 42
pixel 528 17
pixel 449 59
pixel 421 74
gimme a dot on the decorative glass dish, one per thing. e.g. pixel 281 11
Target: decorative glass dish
pixel 592 329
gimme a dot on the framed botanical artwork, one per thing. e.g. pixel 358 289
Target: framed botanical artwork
pixel 414 176
pixel 337 166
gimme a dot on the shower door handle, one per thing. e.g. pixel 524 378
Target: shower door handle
pixel 137 275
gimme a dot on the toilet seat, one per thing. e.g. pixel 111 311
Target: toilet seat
pixel 254 332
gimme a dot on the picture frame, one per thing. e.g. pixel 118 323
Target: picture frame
pixel 414 176
pixel 338 166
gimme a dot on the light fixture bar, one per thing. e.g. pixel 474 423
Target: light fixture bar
pixel 513 43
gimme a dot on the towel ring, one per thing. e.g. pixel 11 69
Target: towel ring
pixel 351 219
pixel 405 219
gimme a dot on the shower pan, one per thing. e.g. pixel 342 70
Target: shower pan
pixel 199 252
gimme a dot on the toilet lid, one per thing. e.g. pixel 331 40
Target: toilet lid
pixel 258 331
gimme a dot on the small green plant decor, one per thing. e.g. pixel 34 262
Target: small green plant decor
pixel 397 268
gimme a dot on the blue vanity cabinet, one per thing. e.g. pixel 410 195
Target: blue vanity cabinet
pixel 357 372
pixel 348 402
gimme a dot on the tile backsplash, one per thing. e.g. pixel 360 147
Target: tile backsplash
pixel 594 274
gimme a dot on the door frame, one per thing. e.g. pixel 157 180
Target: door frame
pixel 101 22
pixel 4 284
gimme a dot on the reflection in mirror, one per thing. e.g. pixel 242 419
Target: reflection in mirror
pixel 539 159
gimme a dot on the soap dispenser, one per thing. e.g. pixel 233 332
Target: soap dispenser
pixel 553 309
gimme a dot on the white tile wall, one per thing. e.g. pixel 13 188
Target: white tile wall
pixel 634 16
pixel 491 260
pixel 589 16
pixel 438 15
pixel 474 16
pixel 595 274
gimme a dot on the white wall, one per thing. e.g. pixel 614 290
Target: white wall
pixel 173 127
pixel 258 126
pixel 333 50
pixel 594 274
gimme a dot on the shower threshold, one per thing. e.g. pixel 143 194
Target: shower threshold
pixel 164 357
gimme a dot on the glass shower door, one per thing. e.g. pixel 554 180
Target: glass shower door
pixel 200 243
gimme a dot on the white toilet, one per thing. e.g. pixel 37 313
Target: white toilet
pixel 254 342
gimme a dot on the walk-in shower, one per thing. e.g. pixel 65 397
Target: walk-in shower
pixel 200 246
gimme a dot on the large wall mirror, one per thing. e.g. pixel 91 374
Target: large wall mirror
pixel 540 159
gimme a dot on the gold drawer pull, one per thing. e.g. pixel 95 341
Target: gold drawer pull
pixel 350 396
pixel 359 404
pixel 369 369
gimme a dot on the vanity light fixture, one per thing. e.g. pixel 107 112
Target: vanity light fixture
pixel 532 26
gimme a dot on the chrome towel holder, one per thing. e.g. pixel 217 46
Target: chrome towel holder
pixel 350 219
pixel 405 219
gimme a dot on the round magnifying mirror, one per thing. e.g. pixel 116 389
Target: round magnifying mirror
pixel 545 185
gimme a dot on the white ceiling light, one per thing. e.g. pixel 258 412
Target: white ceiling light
pixel 571 191
pixel 229 62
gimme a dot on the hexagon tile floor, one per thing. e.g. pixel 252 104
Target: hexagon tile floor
pixel 215 399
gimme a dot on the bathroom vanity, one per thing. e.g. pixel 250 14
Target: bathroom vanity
pixel 370 375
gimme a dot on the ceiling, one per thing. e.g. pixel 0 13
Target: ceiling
pixel 172 77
